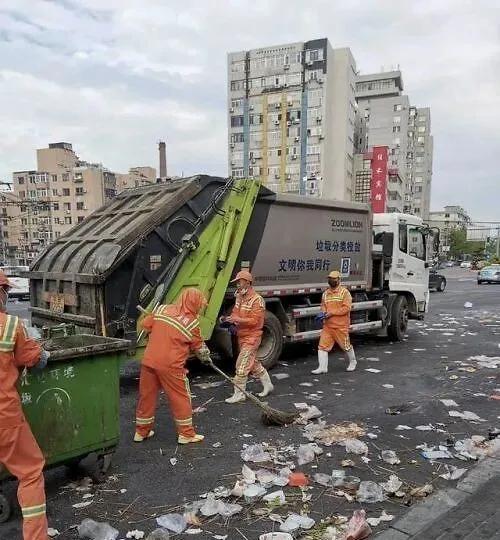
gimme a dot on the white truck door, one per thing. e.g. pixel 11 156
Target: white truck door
pixel 410 272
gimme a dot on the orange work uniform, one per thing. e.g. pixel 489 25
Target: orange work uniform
pixel 338 303
pixel 249 312
pixel 19 451
pixel 173 333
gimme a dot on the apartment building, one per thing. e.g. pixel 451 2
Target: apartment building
pixel 10 228
pixel 390 120
pixel 136 177
pixel 291 115
pixel 61 192
pixel 446 220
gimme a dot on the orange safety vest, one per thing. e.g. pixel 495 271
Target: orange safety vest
pixel 339 302
pixel 251 308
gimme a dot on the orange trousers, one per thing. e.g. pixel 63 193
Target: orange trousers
pixel 176 389
pixel 330 336
pixel 248 364
pixel 22 457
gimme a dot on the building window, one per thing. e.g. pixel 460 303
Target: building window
pixel 396 120
pixel 20 180
pixel 66 192
pixel 237 137
pixel 54 177
pixel 237 121
pixel 67 206
pixel 22 194
pixel 422 119
pixel 56 206
pixel 80 219
pixel 57 221
pixel 397 107
pixel 397 141
pixel 421 139
pixel 79 206
pixel 32 193
pixel 238 173
pixel 67 220
pixel 403 238
pixel 65 177
pixel 79 191
pixel 396 129
pixel 421 129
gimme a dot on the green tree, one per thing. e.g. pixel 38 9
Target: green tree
pixel 458 242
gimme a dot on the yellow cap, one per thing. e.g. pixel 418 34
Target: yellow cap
pixel 335 274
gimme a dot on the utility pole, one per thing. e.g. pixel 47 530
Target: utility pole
pixel 498 243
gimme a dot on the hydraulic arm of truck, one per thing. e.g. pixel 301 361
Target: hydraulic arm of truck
pixel 207 262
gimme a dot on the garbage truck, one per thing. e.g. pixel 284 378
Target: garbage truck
pixel 143 247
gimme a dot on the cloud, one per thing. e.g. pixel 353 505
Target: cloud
pixel 114 76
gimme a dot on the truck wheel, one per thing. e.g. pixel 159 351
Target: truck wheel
pixel 272 341
pixel 5 508
pixel 442 285
pixel 399 319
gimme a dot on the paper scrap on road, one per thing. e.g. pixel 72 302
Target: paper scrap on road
pixel 83 504
pixel 402 427
pixel 466 415
pixel 281 376
pixel 374 522
pixel 449 402
pixel 373 370
pixel 452 473
pixel 388 385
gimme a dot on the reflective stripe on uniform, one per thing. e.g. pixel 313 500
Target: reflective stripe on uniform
pixel 33 511
pixel 184 421
pixel 174 323
pixel 144 421
pixel 8 338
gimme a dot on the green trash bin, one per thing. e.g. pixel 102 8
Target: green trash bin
pixel 73 405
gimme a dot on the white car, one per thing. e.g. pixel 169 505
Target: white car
pixel 465 264
pixel 20 285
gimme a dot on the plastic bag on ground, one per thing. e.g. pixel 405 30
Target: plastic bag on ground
pixel 355 446
pixel 294 522
pixel 323 479
pixel 276 536
pixel 228 509
pixel 276 497
pixel 337 477
pixel 305 454
pixel 265 478
pixel 370 492
pixel 384 516
pixel 392 485
pixel 255 453
pixel 249 476
pixel 211 507
pixel 358 528
pixel 158 534
pixel 173 522
pixel 253 493
pixel 94 530
pixel 389 456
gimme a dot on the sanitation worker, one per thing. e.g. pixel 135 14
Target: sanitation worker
pixel 19 451
pixel 248 318
pixel 336 305
pixel 174 332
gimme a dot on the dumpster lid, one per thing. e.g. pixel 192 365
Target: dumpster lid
pixel 93 248
pixel 79 345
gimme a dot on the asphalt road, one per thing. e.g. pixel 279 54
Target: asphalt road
pixel 158 476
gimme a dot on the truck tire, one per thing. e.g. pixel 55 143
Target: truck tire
pixel 399 319
pixel 272 341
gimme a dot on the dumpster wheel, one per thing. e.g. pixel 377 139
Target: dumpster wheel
pixel 100 472
pixel 5 508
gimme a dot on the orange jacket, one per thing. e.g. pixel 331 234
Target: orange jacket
pixel 17 350
pixel 248 313
pixel 338 303
pixel 174 332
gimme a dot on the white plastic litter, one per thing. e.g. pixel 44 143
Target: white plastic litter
pixel 452 473
pixel 229 509
pixel 276 497
pixel 193 531
pixel 355 446
pixel 490 362
pixel 94 530
pixel 372 436
pixel 338 476
pixel 281 376
pixel 255 453
pixel 392 485
pixel 389 456
pixel 52 532
pixel 449 402
pixel 253 493
pixel 211 507
pixel 383 517
pixel 373 370
pixel 402 427
pixel 307 452
pixel 466 415
pixel 310 413
pixel 468 305
pixel 249 476
pixel 276 536
pixel 442 453
pixel 239 488
pixel 388 385
pixel 136 534
pixel 83 504
pixel 173 522
pixel 426 427
pixel 158 534
pixel 323 479
pixel 295 522
pixel 370 492
pixel 265 478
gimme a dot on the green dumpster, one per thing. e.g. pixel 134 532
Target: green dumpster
pixel 73 404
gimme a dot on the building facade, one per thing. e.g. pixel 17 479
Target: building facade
pixel 136 177
pixel 61 192
pixel 291 115
pixel 447 220
pixel 390 120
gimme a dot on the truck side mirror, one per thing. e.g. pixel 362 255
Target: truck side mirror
pixel 387 244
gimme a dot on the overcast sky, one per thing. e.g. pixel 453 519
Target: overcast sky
pixel 115 76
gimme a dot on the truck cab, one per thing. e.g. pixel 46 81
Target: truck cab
pixel 406 248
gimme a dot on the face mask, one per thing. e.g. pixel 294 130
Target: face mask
pixel 333 283
pixel 243 291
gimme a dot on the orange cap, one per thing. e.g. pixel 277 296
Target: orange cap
pixel 4 280
pixel 335 274
pixel 243 274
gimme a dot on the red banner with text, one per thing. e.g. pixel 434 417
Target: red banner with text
pixel 378 189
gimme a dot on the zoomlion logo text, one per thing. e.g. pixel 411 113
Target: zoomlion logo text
pixel 346 224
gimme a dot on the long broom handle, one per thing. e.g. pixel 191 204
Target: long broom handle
pixel 250 396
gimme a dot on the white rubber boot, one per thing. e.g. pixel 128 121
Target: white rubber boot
pixel 322 363
pixel 238 396
pixel 267 385
pixel 351 357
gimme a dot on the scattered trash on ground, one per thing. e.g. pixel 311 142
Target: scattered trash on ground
pixel 173 522
pixel 389 456
pixel 374 522
pixel 448 402
pixel 452 473
pixel 94 530
pixel 355 446
pixel 358 527
pixel 370 492
pixel 53 532
pixel 466 415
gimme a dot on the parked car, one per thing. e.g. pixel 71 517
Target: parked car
pixel 436 280
pixel 489 274
pixel 20 285
pixel 465 264
pixel 448 264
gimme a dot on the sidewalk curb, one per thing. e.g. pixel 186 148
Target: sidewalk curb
pixel 432 508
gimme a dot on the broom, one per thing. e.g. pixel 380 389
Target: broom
pixel 270 416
